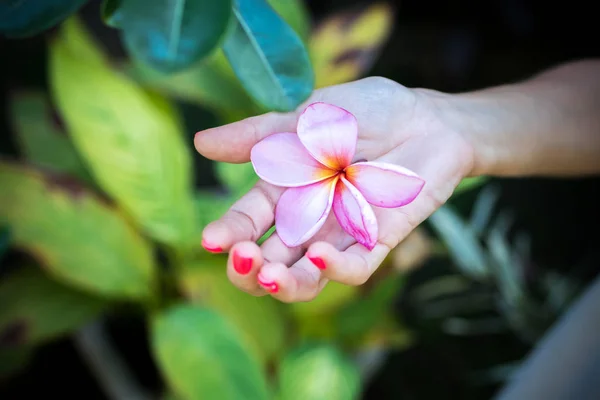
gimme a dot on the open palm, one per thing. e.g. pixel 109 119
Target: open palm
pixel 395 125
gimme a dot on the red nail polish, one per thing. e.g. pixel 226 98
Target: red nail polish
pixel 270 287
pixel 212 249
pixel 318 261
pixel 241 264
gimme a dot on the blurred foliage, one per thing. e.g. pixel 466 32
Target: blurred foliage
pixel 103 198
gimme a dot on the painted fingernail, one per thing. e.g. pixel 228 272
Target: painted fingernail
pixel 212 249
pixel 241 264
pixel 270 287
pixel 318 261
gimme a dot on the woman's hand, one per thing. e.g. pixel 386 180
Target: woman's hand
pixel 395 125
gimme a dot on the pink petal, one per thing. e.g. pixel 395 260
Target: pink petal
pixel 282 160
pixel 383 184
pixel 354 214
pixel 329 133
pixel 302 211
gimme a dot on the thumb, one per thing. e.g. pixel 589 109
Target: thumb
pixel 232 143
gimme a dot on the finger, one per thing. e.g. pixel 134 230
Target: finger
pixel 274 250
pixel 302 282
pixel 247 220
pixel 354 266
pixel 244 263
pixel 233 142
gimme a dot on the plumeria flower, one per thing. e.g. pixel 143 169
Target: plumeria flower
pixel 316 165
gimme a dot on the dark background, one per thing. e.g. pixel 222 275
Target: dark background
pixel 445 45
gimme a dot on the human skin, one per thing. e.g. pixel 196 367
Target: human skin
pixel 548 125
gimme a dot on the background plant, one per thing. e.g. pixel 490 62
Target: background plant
pixel 104 204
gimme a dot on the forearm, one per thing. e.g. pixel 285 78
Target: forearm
pixel 548 125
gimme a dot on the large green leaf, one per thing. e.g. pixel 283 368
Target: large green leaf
pixel 268 57
pixel 36 309
pixel 293 12
pixel 202 356
pixel 171 35
pixel 210 83
pixel 132 141
pixel 258 320
pixel 76 235
pixel 19 18
pixel 318 372
pixel 40 140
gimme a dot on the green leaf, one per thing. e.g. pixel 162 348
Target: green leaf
pixel 268 57
pixel 28 17
pixel 258 320
pixel 210 83
pixel 36 309
pixel 40 140
pixel 357 318
pixel 237 178
pixel 171 35
pixel 109 14
pixel 470 183
pixel 132 142
pixel 14 360
pixel 318 372
pixel 462 242
pixel 346 45
pixel 293 12
pixel 202 356
pixel 76 235
pixel 4 241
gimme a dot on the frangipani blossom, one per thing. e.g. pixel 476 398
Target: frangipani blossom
pixel 315 164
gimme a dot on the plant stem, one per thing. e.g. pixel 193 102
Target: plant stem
pixel 106 364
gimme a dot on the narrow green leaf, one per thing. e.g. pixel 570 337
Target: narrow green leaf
pixel 36 309
pixel 258 320
pixel 462 242
pixel 295 13
pixel 132 142
pixel 28 17
pixel 202 356
pixel 171 35
pixel 40 140
pixel 470 183
pixel 73 233
pixel 268 57
pixel 318 372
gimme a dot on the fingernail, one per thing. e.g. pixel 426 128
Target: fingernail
pixel 270 287
pixel 241 264
pixel 318 261
pixel 212 249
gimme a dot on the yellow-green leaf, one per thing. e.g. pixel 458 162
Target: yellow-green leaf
pixel 318 372
pixel 131 140
pixel 36 309
pixel 345 46
pixel 40 140
pixel 237 178
pixel 202 356
pixel 76 235
pixel 210 83
pixel 258 320
pixel 294 12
